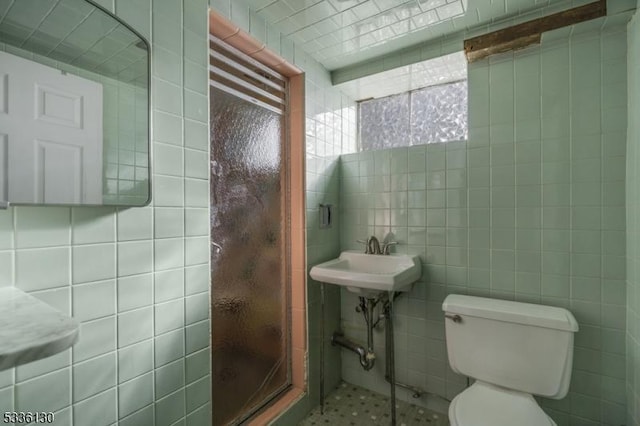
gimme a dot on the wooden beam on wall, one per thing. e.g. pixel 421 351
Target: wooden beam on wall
pixel 527 33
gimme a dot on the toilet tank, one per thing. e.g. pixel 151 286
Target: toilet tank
pixel 520 346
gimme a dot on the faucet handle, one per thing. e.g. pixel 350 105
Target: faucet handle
pixel 385 246
pixel 217 248
pixel 366 245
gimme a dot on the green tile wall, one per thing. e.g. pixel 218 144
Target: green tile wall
pixel 530 208
pixel 633 223
pixel 137 279
pixel 330 130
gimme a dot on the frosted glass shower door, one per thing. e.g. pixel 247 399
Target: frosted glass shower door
pixel 249 316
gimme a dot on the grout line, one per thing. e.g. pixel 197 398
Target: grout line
pixel 71 310
pixel 69 33
pixel 117 309
pixel 37 27
pixel 514 104
pixel 184 208
pixel 541 198
pixel 490 208
pixel 4 15
pixel 14 219
pixel 571 150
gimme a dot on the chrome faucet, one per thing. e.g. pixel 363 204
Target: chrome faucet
pixel 385 246
pixel 372 246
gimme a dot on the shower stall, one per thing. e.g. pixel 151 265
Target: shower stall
pixel 250 277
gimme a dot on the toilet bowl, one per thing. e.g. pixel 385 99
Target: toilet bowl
pixel 484 404
pixel 513 351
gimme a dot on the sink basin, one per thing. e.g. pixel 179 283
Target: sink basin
pixel 370 274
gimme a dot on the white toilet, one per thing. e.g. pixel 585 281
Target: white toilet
pixel 514 351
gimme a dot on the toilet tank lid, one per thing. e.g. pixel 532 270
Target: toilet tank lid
pixel 508 311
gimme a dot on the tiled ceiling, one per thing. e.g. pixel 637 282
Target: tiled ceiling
pixel 441 70
pixel 339 33
pixel 76 33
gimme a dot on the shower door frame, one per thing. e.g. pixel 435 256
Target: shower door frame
pixel 293 176
pixel 285 213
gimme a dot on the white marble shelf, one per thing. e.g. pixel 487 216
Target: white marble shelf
pixel 30 329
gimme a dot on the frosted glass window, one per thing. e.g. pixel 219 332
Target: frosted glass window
pixel 429 115
pixel 384 122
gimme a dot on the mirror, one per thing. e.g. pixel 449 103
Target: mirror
pixel 74 106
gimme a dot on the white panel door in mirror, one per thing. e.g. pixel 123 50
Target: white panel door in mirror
pixel 58 107
pixel 53 127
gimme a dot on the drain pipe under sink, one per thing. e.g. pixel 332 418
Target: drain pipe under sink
pixel 367 357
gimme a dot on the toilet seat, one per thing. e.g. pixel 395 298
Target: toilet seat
pixel 483 404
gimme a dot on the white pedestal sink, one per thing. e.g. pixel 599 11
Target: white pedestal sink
pixel 370 274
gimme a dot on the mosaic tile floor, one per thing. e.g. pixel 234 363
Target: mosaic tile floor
pixel 351 405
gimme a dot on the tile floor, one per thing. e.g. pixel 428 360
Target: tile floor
pixel 350 405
